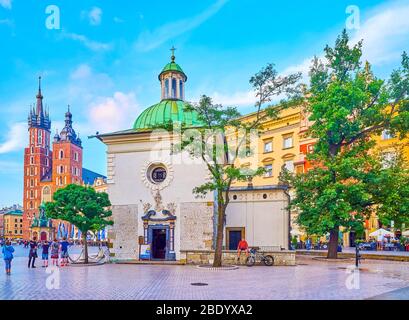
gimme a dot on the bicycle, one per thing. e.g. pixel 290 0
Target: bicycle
pixel 268 260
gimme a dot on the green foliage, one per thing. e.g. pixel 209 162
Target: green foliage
pixel 348 105
pixel 81 206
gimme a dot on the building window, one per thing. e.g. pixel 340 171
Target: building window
pixel 268 170
pixel 386 135
pixel 61 154
pixel 287 142
pixel 166 88
pixel 32 149
pixel 289 165
pixel 31 160
pixel 157 174
pixel 173 88
pixel 181 89
pixel 40 137
pixel 268 146
pixel 76 156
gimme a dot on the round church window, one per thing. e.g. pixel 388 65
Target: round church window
pixel 158 174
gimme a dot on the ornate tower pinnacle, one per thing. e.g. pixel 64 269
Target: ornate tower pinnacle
pixel 37 117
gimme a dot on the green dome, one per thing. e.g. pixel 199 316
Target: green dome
pixel 167 111
pixel 172 66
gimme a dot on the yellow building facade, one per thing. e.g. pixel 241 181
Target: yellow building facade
pixel 13 225
pixel 283 141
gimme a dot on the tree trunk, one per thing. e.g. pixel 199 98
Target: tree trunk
pixel 217 262
pixel 333 243
pixel 84 238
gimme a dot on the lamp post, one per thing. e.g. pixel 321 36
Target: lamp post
pixel 357 255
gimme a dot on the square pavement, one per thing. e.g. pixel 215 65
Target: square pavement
pixel 310 279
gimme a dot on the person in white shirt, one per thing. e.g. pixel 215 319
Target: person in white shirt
pixel 380 242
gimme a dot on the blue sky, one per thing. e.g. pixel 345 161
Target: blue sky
pixel 105 58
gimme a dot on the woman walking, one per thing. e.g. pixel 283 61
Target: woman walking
pixel 33 253
pixel 8 255
pixel 55 250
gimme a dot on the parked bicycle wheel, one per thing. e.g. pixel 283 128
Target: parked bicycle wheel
pixel 268 260
pixel 250 261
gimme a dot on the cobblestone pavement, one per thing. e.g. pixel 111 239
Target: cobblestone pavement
pixel 310 279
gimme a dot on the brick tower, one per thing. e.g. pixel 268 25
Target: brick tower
pixel 37 160
pixel 67 162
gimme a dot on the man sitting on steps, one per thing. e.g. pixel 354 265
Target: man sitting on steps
pixel 243 246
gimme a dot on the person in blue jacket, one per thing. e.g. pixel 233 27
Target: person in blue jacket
pixel 8 255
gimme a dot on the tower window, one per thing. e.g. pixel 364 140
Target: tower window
pixel 181 89
pixel 173 88
pixel 61 154
pixel 31 160
pixel 166 88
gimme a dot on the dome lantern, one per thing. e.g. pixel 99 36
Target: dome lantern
pixel 172 80
pixel 172 107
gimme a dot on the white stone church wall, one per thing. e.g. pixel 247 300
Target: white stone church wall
pixel 265 220
pixel 196 226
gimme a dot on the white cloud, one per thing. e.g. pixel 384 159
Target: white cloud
pixel 81 72
pixel 94 16
pixel 113 113
pixel 385 35
pixel 239 98
pixel 6 4
pixel 149 40
pixel 385 32
pixel 90 44
pixel 86 84
pixel 16 138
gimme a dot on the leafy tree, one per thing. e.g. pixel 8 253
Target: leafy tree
pixel 347 105
pixel 224 138
pixel 81 206
pixel 391 190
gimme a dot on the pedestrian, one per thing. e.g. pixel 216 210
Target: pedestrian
pixel 64 252
pixel 8 255
pixel 44 255
pixel 32 253
pixel 55 251
pixel 242 246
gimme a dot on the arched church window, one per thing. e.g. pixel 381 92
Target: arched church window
pixel 181 89
pixel 46 196
pixel 174 88
pixel 166 88
pixel 61 154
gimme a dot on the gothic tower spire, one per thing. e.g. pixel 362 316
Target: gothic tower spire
pixel 37 117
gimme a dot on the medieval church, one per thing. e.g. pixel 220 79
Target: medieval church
pixel 156 215
pixel 47 167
